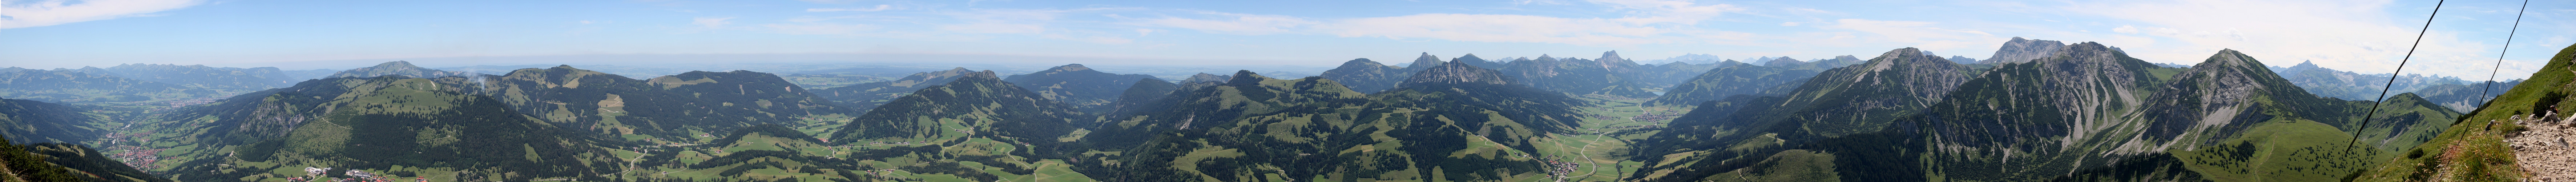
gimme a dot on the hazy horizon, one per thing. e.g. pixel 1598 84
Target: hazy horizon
pixel 2359 36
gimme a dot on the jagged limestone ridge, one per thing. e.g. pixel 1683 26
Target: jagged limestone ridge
pixel 2069 99
pixel 2024 50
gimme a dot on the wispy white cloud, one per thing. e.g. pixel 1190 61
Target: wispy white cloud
pixel 1003 21
pixel 820 28
pixel 1231 23
pixel 880 7
pixel 1641 22
pixel 830 1
pixel 1497 28
pixel 1667 11
pixel 2341 34
pixel 22 14
pixel 1918 34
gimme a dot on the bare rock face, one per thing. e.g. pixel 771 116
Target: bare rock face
pixel 2203 100
pixel 1864 97
pixel 1458 73
pixel 2023 50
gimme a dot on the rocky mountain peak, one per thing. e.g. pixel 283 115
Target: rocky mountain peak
pixel 1458 73
pixel 1469 57
pixel 2023 50
pixel 1544 57
pixel 1246 76
pixel 980 75
pixel 2229 57
pixel 1782 62
pixel 2228 83
pixel 1426 60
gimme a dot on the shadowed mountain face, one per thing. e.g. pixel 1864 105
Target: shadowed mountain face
pixel 1314 128
pixel 403 68
pixel 2465 98
pixel 78 161
pixel 79 87
pixel 1671 74
pixel 2065 116
pixel 435 126
pixel 762 96
pixel 1734 132
pixel 868 95
pixel 1081 87
pixel 1733 78
pixel 27 121
pixel 2357 86
pixel 1610 76
pixel 1369 76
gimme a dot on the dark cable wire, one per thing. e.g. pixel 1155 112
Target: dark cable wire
pixel 2392 75
pixel 2508 47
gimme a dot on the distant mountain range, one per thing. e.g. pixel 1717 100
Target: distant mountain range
pixel 2039 110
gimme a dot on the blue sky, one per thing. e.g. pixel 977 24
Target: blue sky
pixel 2356 35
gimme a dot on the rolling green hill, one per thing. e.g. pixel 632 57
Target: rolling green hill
pixel 956 129
pixel 1452 122
pixel 1081 87
pixel 868 95
pixel 393 125
pixel 664 109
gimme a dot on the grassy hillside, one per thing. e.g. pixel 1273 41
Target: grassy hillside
pixel 391 125
pixel 2475 148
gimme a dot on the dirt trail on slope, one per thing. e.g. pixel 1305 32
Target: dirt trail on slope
pixel 2546 151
